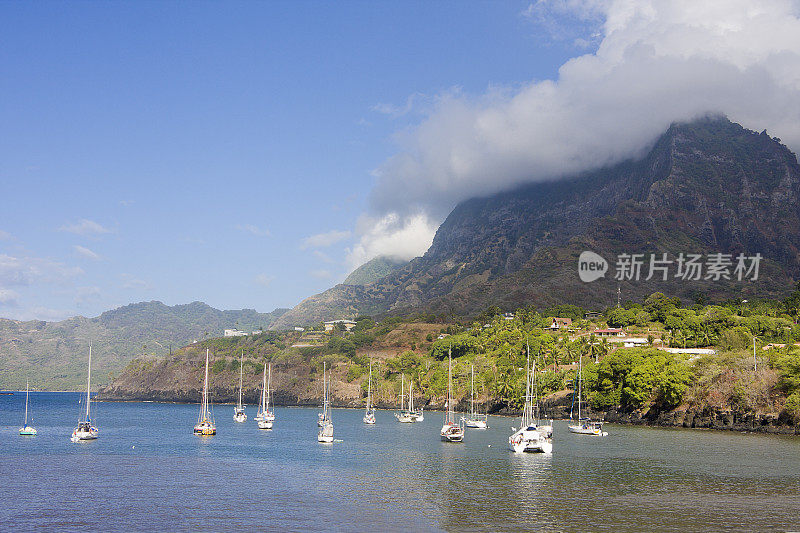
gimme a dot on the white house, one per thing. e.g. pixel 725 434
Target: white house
pixel 234 333
pixel 298 328
pixel 331 324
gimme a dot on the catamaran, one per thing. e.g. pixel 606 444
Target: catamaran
pixel 238 412
pixel 369 413
pixel 85 429
pixel 585 426
pixel 475 420
pixel 452 431
pixel 26 430
pixel 531 437
pixel 205 421
pixel 266 417
pixel 325 433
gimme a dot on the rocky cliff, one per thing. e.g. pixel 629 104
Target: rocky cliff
pixel 706 187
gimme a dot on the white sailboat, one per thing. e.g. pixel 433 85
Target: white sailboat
pixel 369 413
pixel 452 431
pixel 585 426
pixel 205 421
pixel 238 412
pixel 325 433
pixel 85 429
pixel 530 437
pixel 26 430
pixel 408 415
pixel 266 417
pixel 475 420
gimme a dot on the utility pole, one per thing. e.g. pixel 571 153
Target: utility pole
pixel 619 296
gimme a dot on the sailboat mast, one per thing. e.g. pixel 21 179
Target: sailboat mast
pixel 264 388
pixel 472 389
pixel 205 389
pixel 580 383
pixel 410 396
pixel 449 388
pixel 369 386
pixel 26 402
pixel 88 381
pixel 241 374
pixel 269 384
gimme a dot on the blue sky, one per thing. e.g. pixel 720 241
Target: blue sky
pixel 186 151
pixel 250 154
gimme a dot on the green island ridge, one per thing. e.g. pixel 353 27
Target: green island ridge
pixel 630 378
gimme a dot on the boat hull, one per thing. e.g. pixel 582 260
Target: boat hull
pixel 580 430
pixel 27 431
pixel 265 424
pixel 205 429
pixel 451 433
pixel 78 436
pixel 240 417
pixel 475 424
pixel 369 419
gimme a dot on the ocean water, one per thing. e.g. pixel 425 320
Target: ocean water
pixel 148 472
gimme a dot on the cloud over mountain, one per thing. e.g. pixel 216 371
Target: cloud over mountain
pixel 656 63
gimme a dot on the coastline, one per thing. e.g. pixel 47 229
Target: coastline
pixel 685 418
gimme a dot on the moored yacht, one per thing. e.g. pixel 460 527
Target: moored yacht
pixel 369 413
pixel 26 430
pixel 85 429
pixel 531 437
pixel 451 431
pixel 205 421
pixel 238 412
pixel 325 433
pixel 585 425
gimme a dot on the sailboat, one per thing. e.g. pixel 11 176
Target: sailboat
pixel 369 413
pixel 406 415
pixel 85 429
pixel 267 417
pixel 451 431
pixel 325 433
pixel 531 437
pixel 238 412
pixel 475 420
pixel 585 426
pixel 26 430
pixel 205 422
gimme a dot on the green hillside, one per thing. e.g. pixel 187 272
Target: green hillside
pixel 53 355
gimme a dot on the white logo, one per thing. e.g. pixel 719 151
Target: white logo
pixel 591 266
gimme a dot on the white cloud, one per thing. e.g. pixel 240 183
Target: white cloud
pixel 85 252
pixel 264 280
pixel 21 271
pixel 84 227
pixel 391 235
pixel 253 230
pixel 656 63
pixel 8 297
pixel 134 283
pixel 321 274
pixel 85 295
pixel 322 256
pixel 323 240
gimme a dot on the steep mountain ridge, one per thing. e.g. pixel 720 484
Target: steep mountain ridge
pixel 709 186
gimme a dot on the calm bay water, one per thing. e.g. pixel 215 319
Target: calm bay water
pixel 148 472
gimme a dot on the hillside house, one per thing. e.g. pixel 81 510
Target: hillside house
pixel 234 333
pixel 331 324
pixel 559 323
